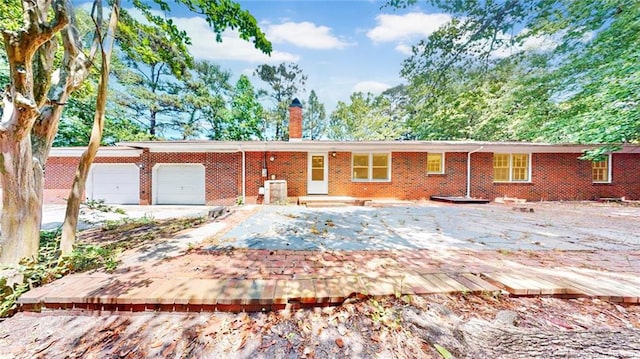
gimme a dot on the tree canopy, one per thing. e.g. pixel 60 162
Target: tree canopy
pixel 367 117
pixel 557 71
pixel 285 81
pixel 32 105
pixel 245 120
pixel 315 124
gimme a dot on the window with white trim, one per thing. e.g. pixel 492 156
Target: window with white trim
pixel 511 167
pixel 435 162
pixel 601 170
pixel 371 167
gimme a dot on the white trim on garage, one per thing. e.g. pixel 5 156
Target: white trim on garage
pixel 115 183
pixel 178 183
pixel 120 151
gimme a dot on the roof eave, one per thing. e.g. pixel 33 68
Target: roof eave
pixel 365 146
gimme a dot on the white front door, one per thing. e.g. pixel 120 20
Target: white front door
pixel 318 182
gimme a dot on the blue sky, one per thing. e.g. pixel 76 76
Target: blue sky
pixel 343 46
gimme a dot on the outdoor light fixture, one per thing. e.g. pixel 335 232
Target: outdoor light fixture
pixel 333 154
pixel 271 158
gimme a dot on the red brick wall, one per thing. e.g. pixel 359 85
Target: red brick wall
pixel 289 166
pixel 625 175
pixel 558 176
pixel 555 176
pixel 409 179
pixel 221 173
pixel 145 178
pixel 295 123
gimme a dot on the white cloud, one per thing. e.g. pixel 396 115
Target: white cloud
pixel 405 27
pixel 534 43
pixel 304 34
pixel 404 49
pixel 370 86
pixel 588 36
pixel 540 43
pixel 204 45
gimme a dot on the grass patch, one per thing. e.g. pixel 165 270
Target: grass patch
pixel 385 313
pixel 97 248
pixel 129 233
pixel 99 205
pixel 49 266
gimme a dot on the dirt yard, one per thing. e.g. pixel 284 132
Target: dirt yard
pixel 433 326
pixel 418 327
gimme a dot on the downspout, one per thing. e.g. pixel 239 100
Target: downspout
pixel 244 176
pixel 469 170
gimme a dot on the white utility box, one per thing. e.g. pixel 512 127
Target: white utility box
pixel 275 192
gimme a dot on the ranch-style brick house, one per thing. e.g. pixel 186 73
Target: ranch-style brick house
pixel 215 172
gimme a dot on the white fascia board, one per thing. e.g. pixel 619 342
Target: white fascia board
pixel 363 146
pixel 528 147
pixel 185 146
pixel 102 152
pixel 629 149
pixel 299 146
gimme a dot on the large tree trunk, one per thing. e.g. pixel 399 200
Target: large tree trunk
pixel 21 202
pixel 32 110
pixel 152 123
pixel 70 224
pixel 21 174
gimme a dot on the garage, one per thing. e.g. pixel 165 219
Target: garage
pixel 179 184
pixel 114 183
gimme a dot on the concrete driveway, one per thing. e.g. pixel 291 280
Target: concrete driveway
pixel 432 225
pixel 53 214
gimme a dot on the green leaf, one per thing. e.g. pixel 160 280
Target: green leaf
pixel 474 79
pixel 444 353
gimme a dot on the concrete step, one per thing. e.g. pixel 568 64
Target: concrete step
pixel 329 201
pixel 327 204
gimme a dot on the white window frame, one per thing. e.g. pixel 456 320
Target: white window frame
pixel 608 171
pixel 370 167
pixel 511 180
pixel 441 163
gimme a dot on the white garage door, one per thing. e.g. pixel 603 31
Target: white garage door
pixel 114 183
pixel 179 184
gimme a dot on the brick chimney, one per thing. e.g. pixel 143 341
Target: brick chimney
pixel 295 120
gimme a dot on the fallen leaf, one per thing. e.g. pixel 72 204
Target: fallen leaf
pixel 443 351
pixel 560 323
pixel 169 349
pixel 243 342
pixel 340 342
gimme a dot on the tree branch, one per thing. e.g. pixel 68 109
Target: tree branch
pixel 36 32
pixel 73 71
pixel 499 16
pixel 96 16
pixel 30 15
